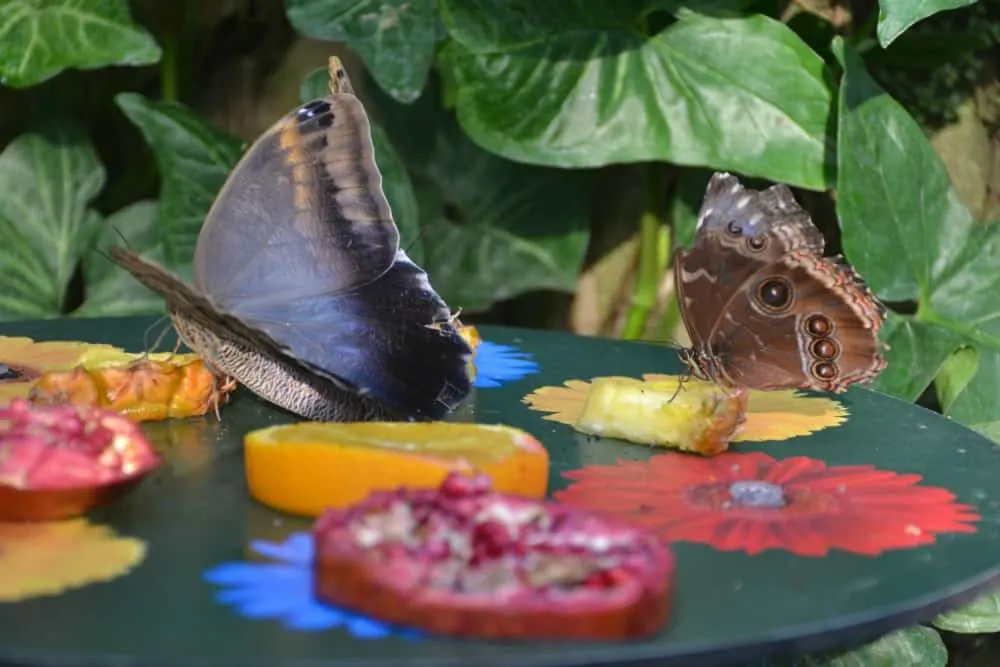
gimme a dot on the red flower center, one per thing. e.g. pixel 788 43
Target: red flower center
pixel 748 494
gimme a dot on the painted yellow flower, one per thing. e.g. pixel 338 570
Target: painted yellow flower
pixel 39 559
pixel 771 415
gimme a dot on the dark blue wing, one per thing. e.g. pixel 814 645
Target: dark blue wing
pixel 390 339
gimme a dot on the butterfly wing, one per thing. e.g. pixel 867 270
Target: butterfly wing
pixel 802 321
pixel 300 256
pixel 739 230
pixel 391 338
pixel 303 213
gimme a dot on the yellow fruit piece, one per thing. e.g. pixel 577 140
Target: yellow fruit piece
pixel 305 468
pixel 690 415
pixel 144 389
pixel 472 338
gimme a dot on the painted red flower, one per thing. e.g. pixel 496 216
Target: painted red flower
pixel 753 502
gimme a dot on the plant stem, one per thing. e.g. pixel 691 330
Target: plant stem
pixel 168 66
pixel 652 260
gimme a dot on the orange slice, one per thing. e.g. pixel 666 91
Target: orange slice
pixel 308 467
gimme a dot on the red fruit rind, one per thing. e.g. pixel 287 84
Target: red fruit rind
pixel 142 390
pixel 465 560
pixel 59 461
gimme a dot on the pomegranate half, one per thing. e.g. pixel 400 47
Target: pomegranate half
pixel 465 560
pixel 60 461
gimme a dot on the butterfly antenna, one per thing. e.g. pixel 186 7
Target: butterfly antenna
pixel 159 338
pixel 419 237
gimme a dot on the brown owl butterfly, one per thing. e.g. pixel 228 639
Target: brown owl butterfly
pixel 763 307
pixel 301 291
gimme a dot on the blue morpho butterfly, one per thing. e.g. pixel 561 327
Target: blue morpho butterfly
pixel 301 291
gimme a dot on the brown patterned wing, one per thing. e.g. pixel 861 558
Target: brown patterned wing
pixel 739 231
pixel 802 321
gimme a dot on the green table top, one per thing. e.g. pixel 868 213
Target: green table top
pixel 913 529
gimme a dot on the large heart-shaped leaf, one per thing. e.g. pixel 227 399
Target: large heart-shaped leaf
pixel 492 228
pixel 982 616
pixel 907 232
pixel 194 159
pixel 40 38
pixel 395 179
pixel 49 176
pixel 913 647
pixel 109 291
pixel 896 16
pixel 739 93
pixel 395 38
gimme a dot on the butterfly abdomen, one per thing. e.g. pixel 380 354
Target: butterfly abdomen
pixel 278 380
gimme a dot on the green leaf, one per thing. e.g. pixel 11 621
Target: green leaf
pixel 913 647
pixel 395 38
pixel 982 616
pixel 989 429
pixel 908 233
pixel 894 196
pixel 896 16
pixel 495 228
pixel 688 195
pixel 486 26
pixel 50 176
pixel 111 292
pixel 194 159
pixel 40 38
pixel 956 373
pixel 395 179
pixel 741 94
pixel 917 352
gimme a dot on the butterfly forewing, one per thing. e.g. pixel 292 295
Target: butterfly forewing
pixel 303 212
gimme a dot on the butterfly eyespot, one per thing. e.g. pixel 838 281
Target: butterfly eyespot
pixel 774 293
pixel 734 228
pixel 313 110
pixel 824 348
pixel 757 243
pixel 818 325
pixel 824 370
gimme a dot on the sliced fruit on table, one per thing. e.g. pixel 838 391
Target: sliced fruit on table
pixel 307 467
pixel 679 412
pixel 142 387
pixel 23 360
pixel 466 560
pixel 60 461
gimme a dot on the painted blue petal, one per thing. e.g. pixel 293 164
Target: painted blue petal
pixel 283 591
pixel 252 574
pixel 231 573
pixel 367 628
pixel 496 364
pixel 313 617
pixel 298 548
